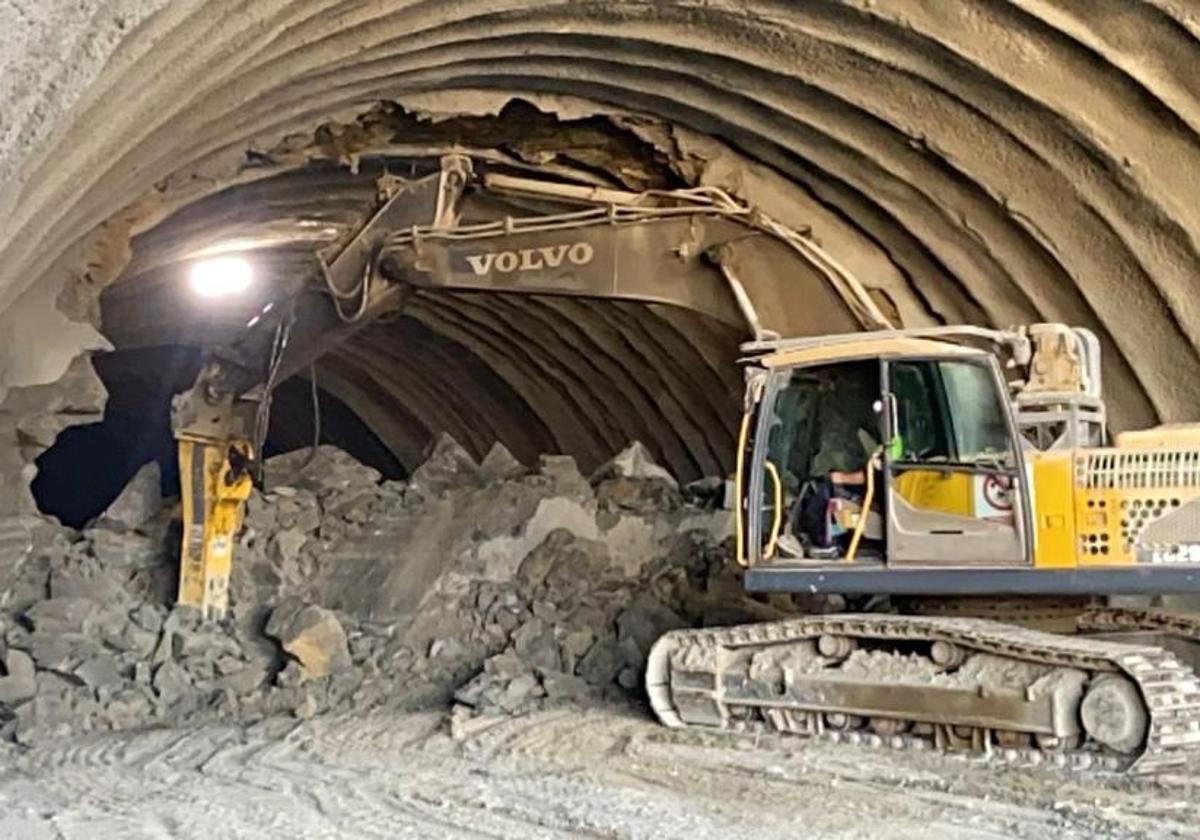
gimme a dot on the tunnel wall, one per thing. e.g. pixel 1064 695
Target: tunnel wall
pixel 979 162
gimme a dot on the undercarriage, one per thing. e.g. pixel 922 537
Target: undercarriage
pixel 951 683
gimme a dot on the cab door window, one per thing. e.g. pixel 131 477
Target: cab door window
pixel 949 412
pixel 953 477
pixel 820 433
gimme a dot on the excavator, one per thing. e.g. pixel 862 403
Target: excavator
pixel 963 474
pixel 956 485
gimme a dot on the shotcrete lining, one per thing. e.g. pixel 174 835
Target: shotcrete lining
pixel 1009 163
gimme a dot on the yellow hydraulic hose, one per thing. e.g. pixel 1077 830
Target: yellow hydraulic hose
pixel 861 525
pixel 739 525
pixel 778 521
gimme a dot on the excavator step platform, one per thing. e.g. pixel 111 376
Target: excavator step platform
pixel 844 579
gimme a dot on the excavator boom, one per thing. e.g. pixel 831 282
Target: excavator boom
pixel 551 237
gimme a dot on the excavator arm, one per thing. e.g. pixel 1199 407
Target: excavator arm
pixel 695 248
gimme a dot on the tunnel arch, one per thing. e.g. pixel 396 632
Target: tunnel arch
pixel 974 162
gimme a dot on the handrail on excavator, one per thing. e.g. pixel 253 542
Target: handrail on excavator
pixel 1016 340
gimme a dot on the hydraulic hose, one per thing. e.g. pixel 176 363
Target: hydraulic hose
pixel 868 498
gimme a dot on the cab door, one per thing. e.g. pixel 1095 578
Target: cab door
pixel 954 471
pixel 810 420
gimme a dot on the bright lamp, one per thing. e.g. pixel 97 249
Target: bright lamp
pixel 221 276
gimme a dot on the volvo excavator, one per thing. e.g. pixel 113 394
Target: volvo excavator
pixel 964 474
pixel 957 485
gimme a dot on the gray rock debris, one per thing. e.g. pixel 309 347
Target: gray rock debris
pixel 20 680
pixel 140 500
pixel 493 586
pixel 448 467
pixel 499 464
pixel 329 469
pixel 100 673
pixel 633 483
pixel 125 548
pixel 634 461
pixel 62 616
pixel 287 544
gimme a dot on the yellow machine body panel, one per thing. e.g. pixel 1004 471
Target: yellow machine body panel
pixel 1098 516
pixel 1091 506
pixel 1133 503
pixel 1054 514
pixel 938 491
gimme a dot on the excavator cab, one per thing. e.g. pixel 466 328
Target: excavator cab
pixel 886 463
pixel 888 452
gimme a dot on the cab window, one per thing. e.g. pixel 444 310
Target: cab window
pixel 821 430
pixel 949 412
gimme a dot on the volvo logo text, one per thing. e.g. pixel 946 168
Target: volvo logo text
pixel 531 259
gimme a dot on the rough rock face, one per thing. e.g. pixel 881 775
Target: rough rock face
pixel 31 418
pixel 494 587
pixel 312 636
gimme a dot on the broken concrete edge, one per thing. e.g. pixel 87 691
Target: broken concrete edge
pixel 61 301
pixel 32 417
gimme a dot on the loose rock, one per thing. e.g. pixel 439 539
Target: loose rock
pixel 20 680
pixel 504 588
pixel 140 500
pixel 313 636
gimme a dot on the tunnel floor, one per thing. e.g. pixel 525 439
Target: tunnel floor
pixel 606 773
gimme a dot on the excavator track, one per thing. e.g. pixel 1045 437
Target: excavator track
pixel 920 682
pixel 1127 619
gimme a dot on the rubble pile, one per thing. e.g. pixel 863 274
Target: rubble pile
pixel 490 586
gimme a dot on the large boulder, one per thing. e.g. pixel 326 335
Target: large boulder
pixel 635 462
pixel 448 467
pixel 633 482
pixel 324 471
pixel 20 680
pixel 501 465
pixel 62 616
pixel 312 636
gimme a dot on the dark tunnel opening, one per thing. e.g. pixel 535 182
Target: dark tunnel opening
pixel 88 466
pixel 293 420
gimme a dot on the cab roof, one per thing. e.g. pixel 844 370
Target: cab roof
pixel 865 346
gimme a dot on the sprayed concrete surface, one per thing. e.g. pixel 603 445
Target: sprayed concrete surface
pixel 975 162
pixel 549 775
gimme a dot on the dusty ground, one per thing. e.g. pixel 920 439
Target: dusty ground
pixel 553 774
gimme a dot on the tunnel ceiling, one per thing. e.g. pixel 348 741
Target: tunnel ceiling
pixel 538 373
pixel 971 162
